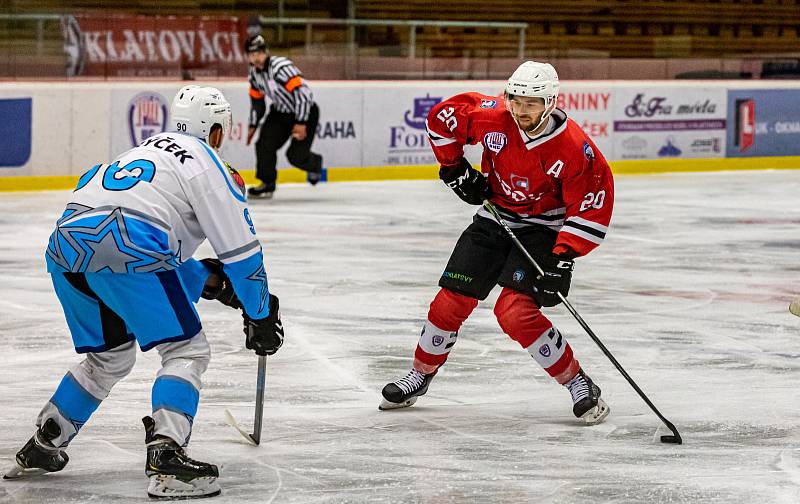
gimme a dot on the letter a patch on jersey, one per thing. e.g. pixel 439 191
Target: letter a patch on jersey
pixel 555 170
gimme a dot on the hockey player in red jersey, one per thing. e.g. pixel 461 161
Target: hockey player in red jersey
pixel 549 182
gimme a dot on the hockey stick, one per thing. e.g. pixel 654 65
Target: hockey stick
pixel 255 437
pixel 675 438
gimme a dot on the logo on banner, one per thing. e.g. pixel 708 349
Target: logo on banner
pixel 745 134
pixel 147 116
pixel 420 112
pixel 706 145
pixel 15 130
pixel 495 141
pixel 408 143
pixel 634 144
pixel 669 149
pixel 488 103
pixel 74 45
pixel 658 106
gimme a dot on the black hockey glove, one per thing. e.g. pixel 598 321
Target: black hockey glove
pixel 219 286
pixel 469 184
pixel 265 336
pixel 556 278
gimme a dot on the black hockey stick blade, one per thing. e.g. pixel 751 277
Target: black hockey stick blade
pixel 259 415
pixel 675 437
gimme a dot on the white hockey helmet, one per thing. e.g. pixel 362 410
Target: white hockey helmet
pixel 196 109
pixel 538 80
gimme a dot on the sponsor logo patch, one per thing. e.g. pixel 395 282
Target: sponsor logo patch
pixel 235 176
pixel 437 340
pixel 518 276
pixel 488 103
pixel 519 182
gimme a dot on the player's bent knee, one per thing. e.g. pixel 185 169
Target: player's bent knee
pixel 116 363
pixel 519 317
pixel 449 309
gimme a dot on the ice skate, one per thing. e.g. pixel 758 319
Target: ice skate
pixel 405 391
pixel 261 191
pixel 39 456
pixel 313 177
pixel 173 475
pixel 587 404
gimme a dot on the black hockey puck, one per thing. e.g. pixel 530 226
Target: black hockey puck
pixel 672 439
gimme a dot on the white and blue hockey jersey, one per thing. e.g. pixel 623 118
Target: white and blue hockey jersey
pixel 149 211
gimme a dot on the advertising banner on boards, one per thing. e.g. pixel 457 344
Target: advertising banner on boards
pixel 137 113
pixel 764 122
pixel 669 122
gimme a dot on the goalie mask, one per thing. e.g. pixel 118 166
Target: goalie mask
pixel 195 110
pixel 532 80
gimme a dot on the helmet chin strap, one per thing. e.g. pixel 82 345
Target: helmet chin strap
pixel 545 115
pixel 547 112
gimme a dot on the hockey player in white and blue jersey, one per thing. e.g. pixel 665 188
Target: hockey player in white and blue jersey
pixel 121 263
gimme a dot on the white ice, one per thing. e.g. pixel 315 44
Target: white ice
pixel 690 292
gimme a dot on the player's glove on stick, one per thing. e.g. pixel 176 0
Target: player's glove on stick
pixel 556 278
pixel 219 286
pixel 470 185
pixel 265 336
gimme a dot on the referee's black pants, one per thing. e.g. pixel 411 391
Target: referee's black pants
pixel 277 129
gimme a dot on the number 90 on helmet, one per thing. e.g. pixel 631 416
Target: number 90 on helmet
pixel 195 110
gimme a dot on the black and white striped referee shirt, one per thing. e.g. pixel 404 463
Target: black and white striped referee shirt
pixel 282 82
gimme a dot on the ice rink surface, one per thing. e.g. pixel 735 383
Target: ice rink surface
pixel 689 291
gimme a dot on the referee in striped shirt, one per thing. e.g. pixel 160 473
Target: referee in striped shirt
pixel 292 113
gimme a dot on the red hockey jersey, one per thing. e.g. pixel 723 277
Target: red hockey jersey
pixel 559 180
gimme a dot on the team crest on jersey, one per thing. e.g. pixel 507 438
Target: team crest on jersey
pixel 495 141
pixel 147 116
pixel 437 340
pixel 588 153
pixel 519 182
pixel 488 103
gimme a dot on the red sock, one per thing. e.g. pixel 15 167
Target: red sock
pixel 520 318
pixel 448 311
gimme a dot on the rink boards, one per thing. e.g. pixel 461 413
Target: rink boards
pixel 375 130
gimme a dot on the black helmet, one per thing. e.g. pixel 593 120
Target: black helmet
pixel 255 43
